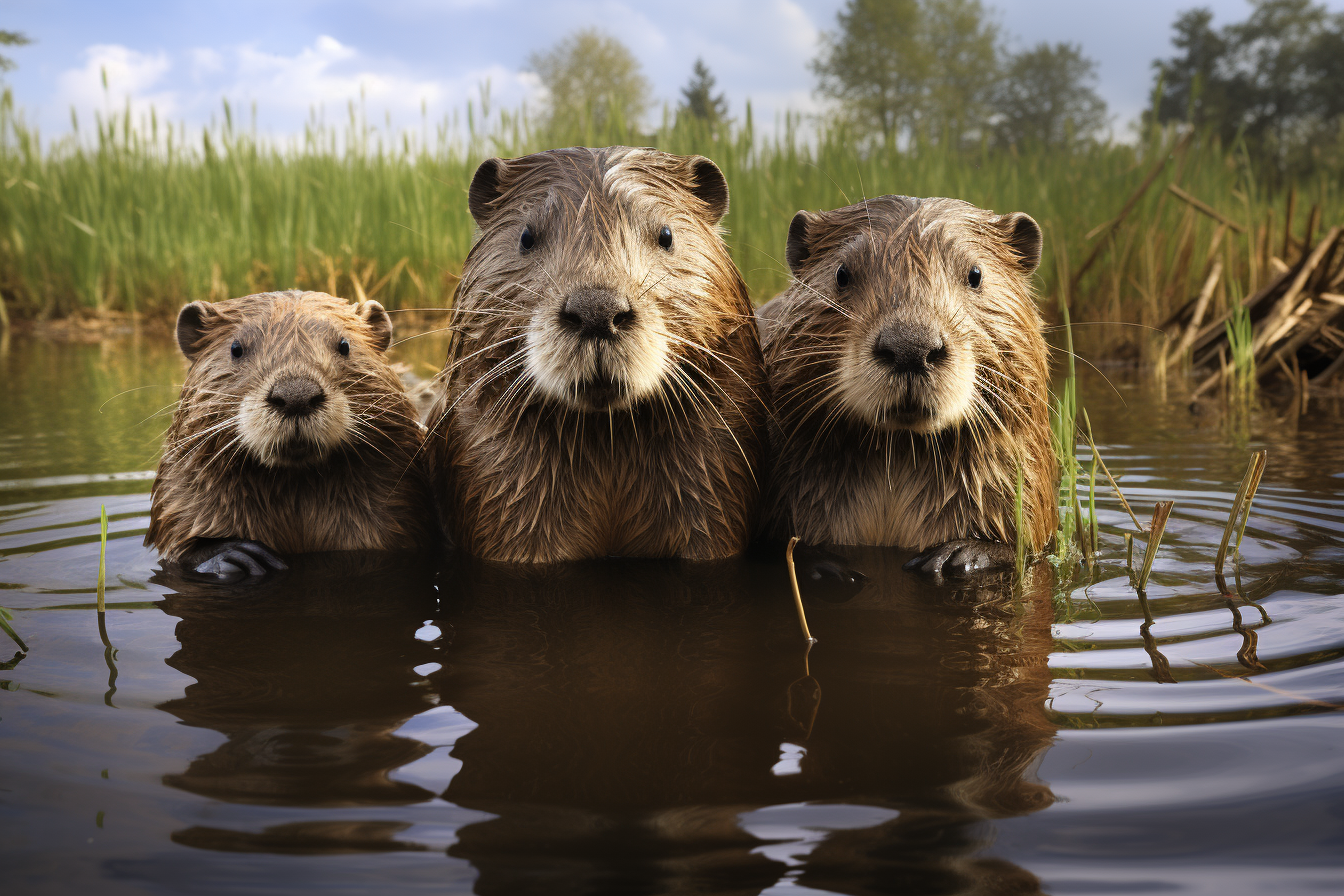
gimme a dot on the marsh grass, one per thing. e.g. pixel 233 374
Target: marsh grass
pixel 135 215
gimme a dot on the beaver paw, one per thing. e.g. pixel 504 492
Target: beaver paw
pixel 961 558
pixel 234 560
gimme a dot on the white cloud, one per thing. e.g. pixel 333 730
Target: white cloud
pixel 325 75
pixel 127 74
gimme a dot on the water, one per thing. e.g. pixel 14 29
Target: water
pixel 370 724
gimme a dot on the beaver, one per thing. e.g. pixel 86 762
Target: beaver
pixel 604 387
pixel 293 434
pixel 909 376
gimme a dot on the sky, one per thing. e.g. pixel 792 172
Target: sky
pixel 291 56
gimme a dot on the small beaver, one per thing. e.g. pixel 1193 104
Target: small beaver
pixel 603 393
pixel 293 434
pixel 909 377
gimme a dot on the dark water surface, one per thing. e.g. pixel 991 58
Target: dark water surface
pixel 384 724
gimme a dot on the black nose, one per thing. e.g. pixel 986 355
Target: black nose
pixel 596 313
pixel 296 396
pixel 909 349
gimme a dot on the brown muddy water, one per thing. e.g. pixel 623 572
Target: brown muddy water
pixel 369 725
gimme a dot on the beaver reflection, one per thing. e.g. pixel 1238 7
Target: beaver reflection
pixel 308 676
pixel 631 716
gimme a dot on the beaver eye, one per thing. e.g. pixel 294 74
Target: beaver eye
pixel 236 349
pixel 665 237
pixel 527 240
pixel 343 346
pixel 842 276
pixel 974 277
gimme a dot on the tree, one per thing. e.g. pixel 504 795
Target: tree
pixel 699 97
pixel 1047 97
pixel 1275 79
pixel 11 39
pixel 874 65
pixel 899 67
pixel 590 75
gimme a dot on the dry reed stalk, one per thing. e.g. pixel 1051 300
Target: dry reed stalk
pixel 1161 512
pixel 1285 304
pixel 1201 305
pixel 102 562
pixel 1205 208
pixel 1087 434
pixel 1242 502
pixel 797 595
pixel 1128 207
pixel 1288 220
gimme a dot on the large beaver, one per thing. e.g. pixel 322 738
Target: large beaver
pixel 603 393
pixel 909 376
pixel 293 434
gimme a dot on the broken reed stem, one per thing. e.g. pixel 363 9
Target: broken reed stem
pixel 1129 552
pixel 1087 434
pixel 1161 511
pixel 797 595
pixel 1249 483
pixel 102 561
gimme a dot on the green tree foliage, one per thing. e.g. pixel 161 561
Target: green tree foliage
pixel 1047 96
pixel 1275 79
pixel 905 67
pixel 699 100
pixel 11 39
pixel 590 76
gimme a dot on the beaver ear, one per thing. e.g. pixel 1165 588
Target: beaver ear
pixel 1024 237
pixel 193 322
pixel 709 186
pixel 380 323
pixel 799 246
pixel 486 186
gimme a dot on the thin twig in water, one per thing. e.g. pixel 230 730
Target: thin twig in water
pixel 102 561
pixel 1161 511
pixel 1087 434
pixel 1303 698
pixel 1242 502
pixel 797 595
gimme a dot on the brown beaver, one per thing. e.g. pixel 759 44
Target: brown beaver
pixel 293 434
pixel 909 377
pixel 603 393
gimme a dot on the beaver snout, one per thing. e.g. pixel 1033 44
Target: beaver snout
pixel 596 313
pixel 905 348
pixel 296 396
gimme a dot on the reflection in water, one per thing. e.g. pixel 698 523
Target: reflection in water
pixel 308 676
pixel 631 716
pixel 640 726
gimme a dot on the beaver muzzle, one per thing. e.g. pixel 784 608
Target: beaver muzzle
pixel 296 396
pixel 909 348
pixel 596 314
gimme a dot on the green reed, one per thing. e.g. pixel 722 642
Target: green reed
pixel 140 215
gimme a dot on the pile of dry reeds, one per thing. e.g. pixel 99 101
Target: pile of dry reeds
pixel 1291 326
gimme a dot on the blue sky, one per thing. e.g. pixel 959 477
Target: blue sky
pixel 289 56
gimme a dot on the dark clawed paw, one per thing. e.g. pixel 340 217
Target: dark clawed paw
pixel 236 560
pixel 961 558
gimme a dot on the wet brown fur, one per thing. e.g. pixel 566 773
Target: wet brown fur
pixel 526 471
pixel 842 473
pixel 359 490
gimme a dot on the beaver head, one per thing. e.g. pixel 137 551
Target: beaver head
pixel 598 272
pixel 910 314
pixel 286 377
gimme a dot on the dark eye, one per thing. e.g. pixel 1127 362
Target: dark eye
pixel 842 276
pixel 974 277
pixel 665 237
pixel 236 349
pixel 343 346
pixel 527 240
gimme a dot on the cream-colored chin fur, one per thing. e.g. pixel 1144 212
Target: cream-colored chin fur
pixel 560 363
pixel 869 391
pixel 272 440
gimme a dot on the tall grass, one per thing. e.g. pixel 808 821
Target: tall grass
pixel 134 215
